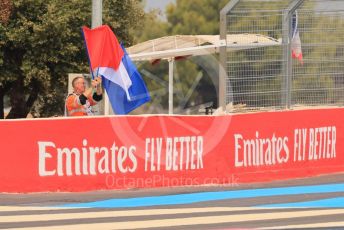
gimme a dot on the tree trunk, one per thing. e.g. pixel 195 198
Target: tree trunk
pixel 3 91
pixel 32 98
pixel 2 94
pixel 20 106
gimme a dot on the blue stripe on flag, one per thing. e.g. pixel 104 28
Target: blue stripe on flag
pixel 138 91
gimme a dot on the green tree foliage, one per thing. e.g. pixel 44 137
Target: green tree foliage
pixel 195 17
pixel 151 28
pixel 124 16
pixel 41 43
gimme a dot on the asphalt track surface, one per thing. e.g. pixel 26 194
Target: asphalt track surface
pixel 313 203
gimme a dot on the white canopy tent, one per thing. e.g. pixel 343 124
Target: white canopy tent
pixel 170 47
pixel 194 45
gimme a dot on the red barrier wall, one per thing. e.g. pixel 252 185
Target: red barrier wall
pixel 152 151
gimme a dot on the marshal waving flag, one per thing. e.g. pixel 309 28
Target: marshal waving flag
pixel 296 41
pixel 123 83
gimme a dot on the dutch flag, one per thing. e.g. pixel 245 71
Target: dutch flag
pixel 123 83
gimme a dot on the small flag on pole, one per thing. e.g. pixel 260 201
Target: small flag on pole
pixel 123 83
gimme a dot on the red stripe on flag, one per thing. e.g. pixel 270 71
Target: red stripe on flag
pixel 103 47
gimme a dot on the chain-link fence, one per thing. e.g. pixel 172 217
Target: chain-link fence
pixel 267 77
pixel 320 80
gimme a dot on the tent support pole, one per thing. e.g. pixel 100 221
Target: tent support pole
pixel 170 85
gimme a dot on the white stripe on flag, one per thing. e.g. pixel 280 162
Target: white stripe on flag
pixel 119 77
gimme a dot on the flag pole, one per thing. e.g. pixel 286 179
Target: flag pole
pixel 97 12
pixel 88 55
pixel 97 8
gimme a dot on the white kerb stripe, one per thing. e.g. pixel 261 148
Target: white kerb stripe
pixel 119 77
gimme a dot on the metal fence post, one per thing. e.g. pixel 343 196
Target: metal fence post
pixel 287 67
pixel 223 52
pixel 97 20
pixel 287 83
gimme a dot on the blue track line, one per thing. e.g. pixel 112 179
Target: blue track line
pixel 207 196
